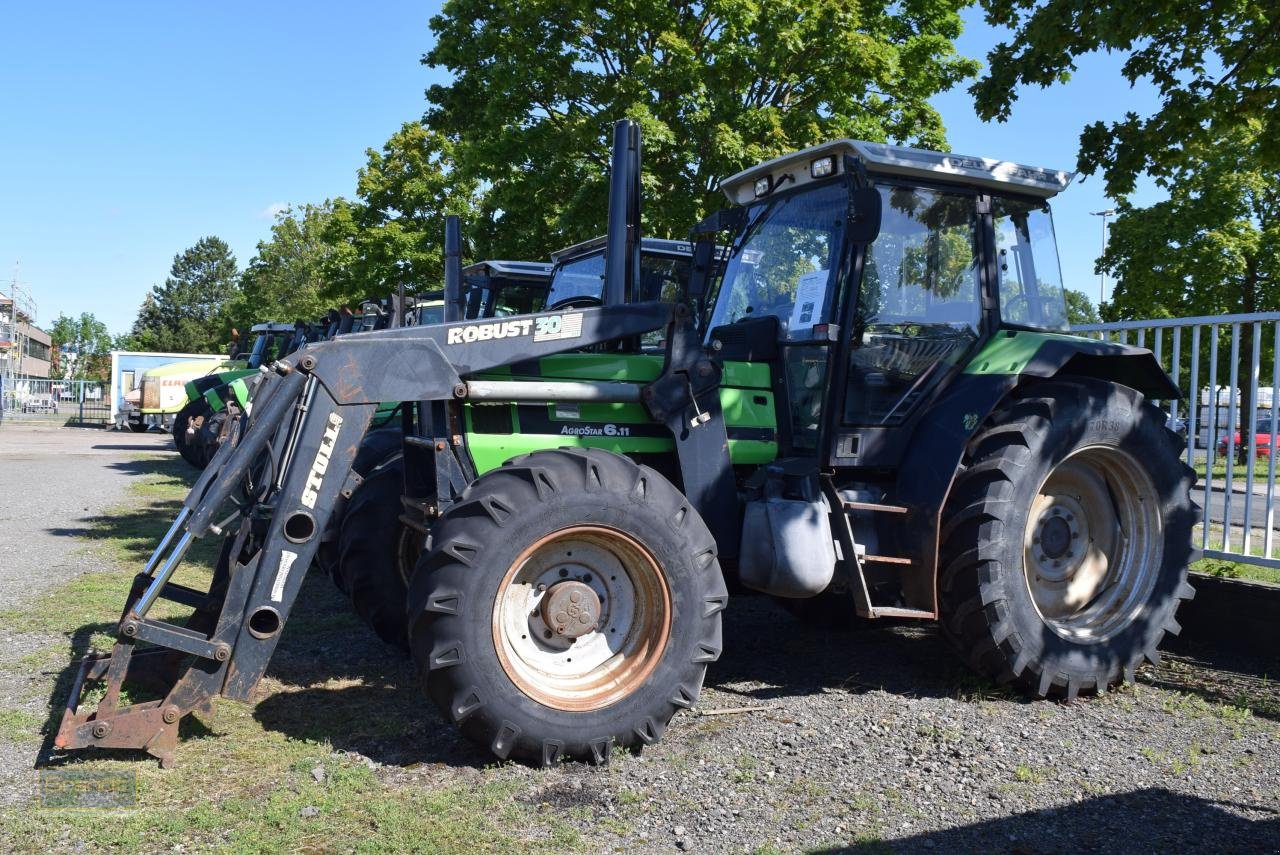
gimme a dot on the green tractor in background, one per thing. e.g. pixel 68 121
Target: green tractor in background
pixel 872 403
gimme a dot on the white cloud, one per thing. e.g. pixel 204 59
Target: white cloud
pixel 273 210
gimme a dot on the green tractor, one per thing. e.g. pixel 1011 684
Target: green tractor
pixel 874 403
pixel 196 424
pixel 379 540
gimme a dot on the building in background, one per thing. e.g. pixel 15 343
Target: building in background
pixel 26 351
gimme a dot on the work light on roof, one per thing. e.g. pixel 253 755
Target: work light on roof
pixel 763 185
pixel 823 166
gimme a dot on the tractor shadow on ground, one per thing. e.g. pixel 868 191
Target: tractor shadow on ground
pixel 1149 820
pixel 770 654
pixel 343 685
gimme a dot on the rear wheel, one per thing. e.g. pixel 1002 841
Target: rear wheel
pixel 378 448
pixel 136 427
pixel 1066 540
pixel 378 553
pixel 569 604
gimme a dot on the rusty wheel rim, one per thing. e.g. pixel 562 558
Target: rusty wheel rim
pixel 581 618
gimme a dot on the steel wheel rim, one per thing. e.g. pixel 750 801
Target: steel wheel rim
pixel 628 635
pixel 1093 543
pixel 409 546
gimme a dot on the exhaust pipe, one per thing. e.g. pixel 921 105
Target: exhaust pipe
pixel 454 304
pixel 622 250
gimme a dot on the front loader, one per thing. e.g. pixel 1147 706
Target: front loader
pixel 874 403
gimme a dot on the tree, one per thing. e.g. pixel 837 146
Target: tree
pixel 288 277
pixel 189 312
pixel 1213 63
pixel 1213 247
pixel 716 86
pixel 1079 309
pixel 395 233
pixel 82 345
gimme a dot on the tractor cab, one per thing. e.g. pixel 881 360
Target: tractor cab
pixel 271 341
pixel 498 289
pixel 577 280
pixel 878 271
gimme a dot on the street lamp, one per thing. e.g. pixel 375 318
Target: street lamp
pixel 1102 274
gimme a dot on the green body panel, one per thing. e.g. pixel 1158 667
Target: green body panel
pixel 223 378
pixel 505 430
pixel 1009 354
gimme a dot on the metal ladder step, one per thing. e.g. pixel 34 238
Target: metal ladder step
pixel 873 506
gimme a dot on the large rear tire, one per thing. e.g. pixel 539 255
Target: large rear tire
pixel 1066 539
pixel 378 448
pixel 378 553
pixel 569 604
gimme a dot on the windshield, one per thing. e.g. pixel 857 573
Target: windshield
pixel 582 277
pixel 661 278
pixel 783 266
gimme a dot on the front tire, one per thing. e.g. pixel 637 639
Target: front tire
pixel 560 556
pixel 1066 540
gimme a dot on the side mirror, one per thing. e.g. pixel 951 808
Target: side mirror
pixel 864 214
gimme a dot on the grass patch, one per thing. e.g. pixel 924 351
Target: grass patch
pixel 18 725
pixel 1236 570
pixel 246 778
pixel 1239 471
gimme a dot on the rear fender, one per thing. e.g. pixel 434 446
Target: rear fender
pixel 939 441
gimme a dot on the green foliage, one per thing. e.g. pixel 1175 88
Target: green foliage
pixel 1211 248
pixel 714 86
pixel 1079 309
pixel 1214 64
pixel 88 344
pixel 190 312
pixel 287 277
pixel 395 232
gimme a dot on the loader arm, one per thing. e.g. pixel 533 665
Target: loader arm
pixel 310 413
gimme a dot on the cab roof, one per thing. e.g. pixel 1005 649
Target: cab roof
pixel 649 245
pixel 793 170
pixel 510 269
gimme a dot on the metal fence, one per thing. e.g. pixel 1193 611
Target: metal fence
pixel 1228 417
pixel 55 401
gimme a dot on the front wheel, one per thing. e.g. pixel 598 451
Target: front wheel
pixel 1066 539
pixel 569 604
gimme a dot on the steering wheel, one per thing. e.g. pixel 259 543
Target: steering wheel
pixel 584 301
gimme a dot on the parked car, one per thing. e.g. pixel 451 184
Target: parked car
pixel 1265 437
pixel 1177 424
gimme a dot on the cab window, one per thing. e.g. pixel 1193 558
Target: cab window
pixel 1031 292
pixel 919 307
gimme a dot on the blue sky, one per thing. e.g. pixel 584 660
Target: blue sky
pixel 130 130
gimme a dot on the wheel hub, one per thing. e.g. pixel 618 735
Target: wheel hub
pixel 1055 536
pixel 571 609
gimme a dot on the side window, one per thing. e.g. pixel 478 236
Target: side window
pixel 919 305
pixel 1031 292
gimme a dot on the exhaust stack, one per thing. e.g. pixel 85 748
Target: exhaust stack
pixel 622 250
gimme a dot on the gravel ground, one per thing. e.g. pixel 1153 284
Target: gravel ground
pixel 53 481
pixel 874 739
